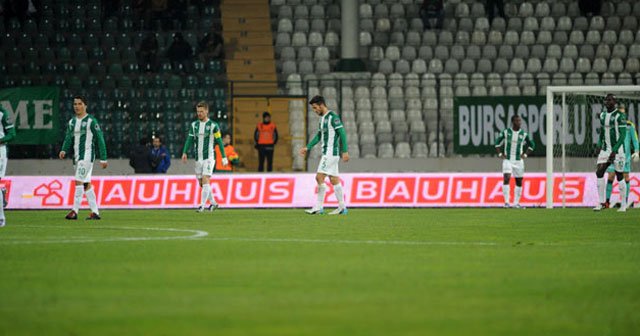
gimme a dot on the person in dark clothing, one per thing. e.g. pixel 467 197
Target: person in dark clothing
pixel 180 53
pixel 590 7
pixel 266 137
pixel 140 158
pixel 148 53
pixel 160 157
pixel 210 47
pixel 432 9
pixel 491 9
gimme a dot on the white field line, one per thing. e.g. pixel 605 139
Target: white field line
pixel 195 234
pixel 353 242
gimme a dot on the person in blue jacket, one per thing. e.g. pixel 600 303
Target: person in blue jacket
pixel 160 157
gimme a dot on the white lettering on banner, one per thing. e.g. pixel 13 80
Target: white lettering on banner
pixel 43 108
pixel 499 122
pixel 175 191
pixel 117 192
pixel 460 189
pixel 366 190
pixel 476 128
pixel 528 186
pixel 20 114
pixel 142 192
pixel 400 189
pixel 488 133
pixel 464 131
pixel 278 191
pixel 439 193
pixel 252 193
pixel 293 190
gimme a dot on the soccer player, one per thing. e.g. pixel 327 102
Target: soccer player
pixel 7 133
pixel 202 135
pixel 84 134
pixel 613 131
pixel 232 156
pixel 510 146
pixel 333 138
pixel 630 138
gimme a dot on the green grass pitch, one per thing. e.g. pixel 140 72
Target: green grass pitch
pixel 281 272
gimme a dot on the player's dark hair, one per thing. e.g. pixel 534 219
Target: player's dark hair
pixel 203 104
pixel 81 98
pixel 514 117
pixel 611 95
pixel 317 100
pixel 157 137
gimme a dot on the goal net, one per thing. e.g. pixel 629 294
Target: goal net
pixel 574 132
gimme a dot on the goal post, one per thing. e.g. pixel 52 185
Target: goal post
pixel 562 106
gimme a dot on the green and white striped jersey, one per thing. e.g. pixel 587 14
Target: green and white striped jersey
pixel 6 128
pixel 204 135
pixel 514 143
pixel 613 126
pixel 331 134
pixel 84 135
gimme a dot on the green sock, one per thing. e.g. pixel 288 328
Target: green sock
pixel 627 196
pixel 609 188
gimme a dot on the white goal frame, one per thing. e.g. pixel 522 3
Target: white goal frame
pixel 563 90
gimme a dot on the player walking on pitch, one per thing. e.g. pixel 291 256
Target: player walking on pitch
pixel 630 139
pixel 333 138
pixel 7 133
pixel 202 135
pixel 84 133
pixel 613 131
pixel 510 146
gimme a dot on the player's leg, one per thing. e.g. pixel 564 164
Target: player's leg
pixel 506 175
pixel 3 200
pixel 622 184
pixel 90 193
pixel 627 179
pixel 80 177
pixel 318 208
pixel 199 167
pixel 601 167
pixel 611 175
pixel 337 189
pixel 518 174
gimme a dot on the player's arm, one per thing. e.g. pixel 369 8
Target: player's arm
pixel 187 144
pixel 498 143
pixel 102 146
pixel 218 138
pixel 313 142
pixel 634 139
pixel 66 145
pixel 343 143
pixel 531 145
pixel 9 130
pixel 622 129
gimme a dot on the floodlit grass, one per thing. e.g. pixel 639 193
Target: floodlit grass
pixel 281 272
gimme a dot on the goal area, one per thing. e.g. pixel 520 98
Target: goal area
pixel 572 126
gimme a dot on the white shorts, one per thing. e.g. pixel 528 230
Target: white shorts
pixel 205 167
pixel 329 165
pixel 3 160
pixel 83 171
pixel 618 162
pixel 513 167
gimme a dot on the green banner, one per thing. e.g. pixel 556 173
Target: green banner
pixel 35 113
pixel 477 120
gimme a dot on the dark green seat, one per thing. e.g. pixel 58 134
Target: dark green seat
pixel 82 70
pixel 99 69
pixel 175 82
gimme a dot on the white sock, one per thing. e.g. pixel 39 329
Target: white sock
pixel 206 191
pixel 339 194
pixel 211 199
pixel 77 198
pixel 93 204
pixel 518 193
pixel 602 189
pixel 506 189
pixel 622 187
pixel 320 201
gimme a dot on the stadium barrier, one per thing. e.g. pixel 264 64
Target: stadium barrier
pixel 298 190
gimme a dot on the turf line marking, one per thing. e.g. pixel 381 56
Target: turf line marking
pixel 364 242
pixel 196 234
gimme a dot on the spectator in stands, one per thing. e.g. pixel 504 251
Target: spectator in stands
pixel 140 157
pixel 210 47
pixel 266 137
pixel 590 7
pixel 232 156
pixel 180 53
pixel 491 6
pixel 432 9
pixel 160 157
pixel 148 53
pixel 178 11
